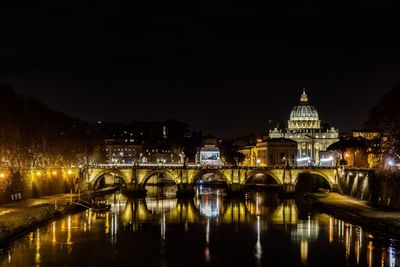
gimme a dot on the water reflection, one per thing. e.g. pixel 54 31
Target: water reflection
pixel 210 201
pixel 209 229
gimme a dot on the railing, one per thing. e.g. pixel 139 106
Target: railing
pixel 180 165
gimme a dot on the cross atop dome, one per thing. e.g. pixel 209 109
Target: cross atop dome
pixel 304 97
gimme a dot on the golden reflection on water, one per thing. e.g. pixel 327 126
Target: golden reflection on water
pixel 211 209
pixel 37 254
pixel 369 255
pixel 304 252
pixel 258 248
pixel 330 230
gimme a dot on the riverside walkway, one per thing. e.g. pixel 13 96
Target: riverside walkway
pixel 21 216
pixel 380 219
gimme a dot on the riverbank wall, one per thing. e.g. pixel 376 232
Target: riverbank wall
pixel 18 185
pixel 380 220
pixel 21 217
pixel 379 187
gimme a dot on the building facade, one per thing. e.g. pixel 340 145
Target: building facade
pixel 304 127
pixel 122 151
pixel 126 151
pixel 209 154
pixel 271 152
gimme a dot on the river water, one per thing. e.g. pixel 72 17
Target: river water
pixel 208 230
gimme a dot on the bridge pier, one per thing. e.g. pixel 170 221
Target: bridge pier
pixel 236 189
pixel 288 188
pixel 185 190
pixel 135 189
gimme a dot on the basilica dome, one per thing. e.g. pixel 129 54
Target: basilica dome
pixel 304 117
pixel 304 112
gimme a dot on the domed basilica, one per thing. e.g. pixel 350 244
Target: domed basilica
pixel 304 127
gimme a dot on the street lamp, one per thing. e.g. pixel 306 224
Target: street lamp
pixel 258 162
pixel 390 163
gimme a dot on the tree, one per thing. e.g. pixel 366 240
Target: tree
pixel 385 118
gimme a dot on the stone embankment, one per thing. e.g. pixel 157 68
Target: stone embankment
pixel 379 219
pixel 21 217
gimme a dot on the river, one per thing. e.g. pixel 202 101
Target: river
pixel 208 230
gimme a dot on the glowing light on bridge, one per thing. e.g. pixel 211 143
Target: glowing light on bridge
pixel 326 159
pixel 303 159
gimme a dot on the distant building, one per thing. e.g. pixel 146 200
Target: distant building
pixel 122 151
pixel 353 152
pixel 367 135
pixel 143 142
pixel 270 152
pixel 162 153
pixel 209 154
pixel 360 149
pixel 304 127
pixel 373 141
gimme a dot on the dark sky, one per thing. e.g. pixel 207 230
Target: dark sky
pixel 225 68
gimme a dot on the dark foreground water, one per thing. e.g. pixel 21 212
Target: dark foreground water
pixel 209 230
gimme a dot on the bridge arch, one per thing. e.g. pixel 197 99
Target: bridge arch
pixel 314 178
pixel 102 176
pixel 203 172
pixel 268 175
pixel 158 172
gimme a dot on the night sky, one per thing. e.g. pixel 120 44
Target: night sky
pixel 226 69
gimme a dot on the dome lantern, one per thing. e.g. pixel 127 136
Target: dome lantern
pixel 304 98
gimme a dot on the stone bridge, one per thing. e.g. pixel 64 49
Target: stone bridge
pixel 135 177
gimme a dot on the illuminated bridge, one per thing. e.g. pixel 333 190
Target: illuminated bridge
pixel 136 177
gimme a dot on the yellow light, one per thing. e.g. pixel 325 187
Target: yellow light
pixel 54 172
pixel 38 173
pixel 2 175
pixel 69 172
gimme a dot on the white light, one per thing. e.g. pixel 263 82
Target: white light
pixel 390 163
pixel 303 159
pixel 327 159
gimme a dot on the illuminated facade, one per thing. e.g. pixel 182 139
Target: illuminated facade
pixel 126 151
pixel 122 151
pixel 304 127
pixel 209 154
pixel 271 152
pixel 374 141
